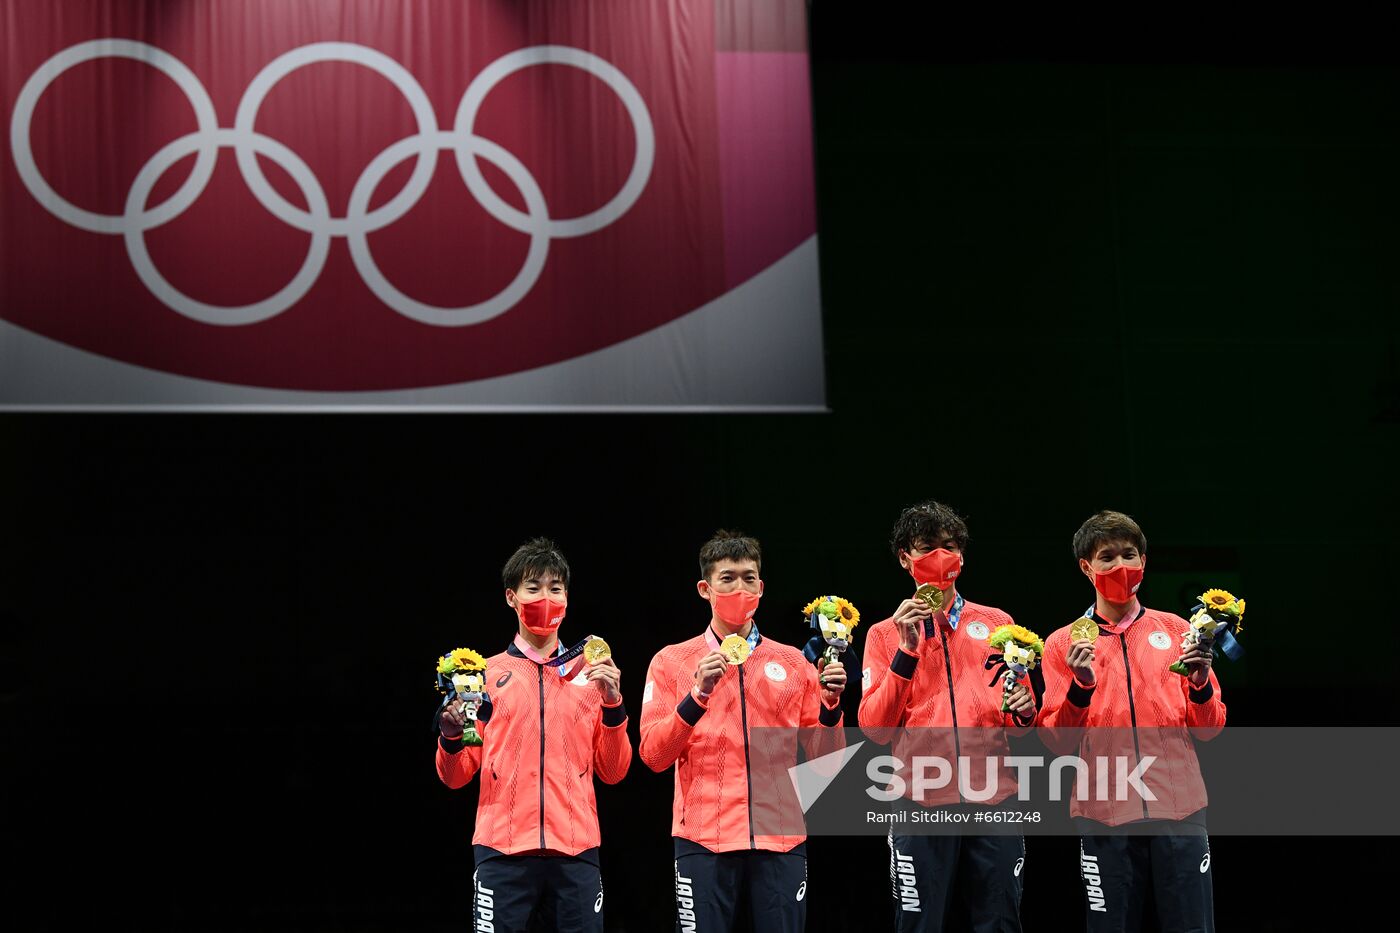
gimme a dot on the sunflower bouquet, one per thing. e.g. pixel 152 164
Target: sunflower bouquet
pixel 461 675
pixel 1020 654
pixel 1218 616
pixel 835 618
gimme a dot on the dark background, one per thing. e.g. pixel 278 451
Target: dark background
pixel 1060 273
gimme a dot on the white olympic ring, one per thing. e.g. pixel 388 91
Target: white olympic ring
pixel 559 55
pixel 359 221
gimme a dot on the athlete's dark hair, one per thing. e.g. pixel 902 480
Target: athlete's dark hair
pixel 728 545
pixel 1103 527
pixel 534 557
pixel 927 522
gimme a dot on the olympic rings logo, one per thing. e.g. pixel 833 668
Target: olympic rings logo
pixel 359 221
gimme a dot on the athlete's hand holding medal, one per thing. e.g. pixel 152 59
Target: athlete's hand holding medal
pixel 915 616
pixel 603 670
pixel 708 673
pixel 911 616
pixel 1083 632
pixel 734 650
pixel 593 659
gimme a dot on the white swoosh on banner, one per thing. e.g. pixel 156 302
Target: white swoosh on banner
pixel 756 347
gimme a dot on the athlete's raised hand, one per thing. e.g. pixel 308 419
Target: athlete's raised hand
pixel 1081 661
pixel 909 618
pixel 609 680
pixel 452 722
pixel 833 680
pixel 709 672
pixel 1021 702
pixel 1197 659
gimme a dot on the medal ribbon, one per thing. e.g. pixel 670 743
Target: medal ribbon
pixel 563 658
pixel 713 640
pixel 557 662
pixel 953 615
pixel 1135 611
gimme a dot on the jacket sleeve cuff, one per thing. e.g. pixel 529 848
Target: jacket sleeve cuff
pixel 1079 694
pixel 614 716
pixel 830 715
pixel 451 746
pixel 1201 695
pixel 690 710
pixel 903 664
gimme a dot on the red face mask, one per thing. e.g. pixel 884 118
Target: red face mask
pixel 939 567
pixel 1119 584
pixel 541 616
pixel 735 608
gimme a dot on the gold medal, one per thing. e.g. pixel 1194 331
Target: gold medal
pixel 1083 629
pixel 596 650
pixel 735 649
pixel 930 596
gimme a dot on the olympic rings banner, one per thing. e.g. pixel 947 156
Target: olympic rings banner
pixel 383 204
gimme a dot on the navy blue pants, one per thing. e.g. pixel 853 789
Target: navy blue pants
pixel 711 889
pixel 975 880
pixel 516 893
pixel 1122 873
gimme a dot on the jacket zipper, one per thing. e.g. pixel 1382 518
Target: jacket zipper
pixel 952 706
pixel 541 669
pixel 1132 709
pixel 748 773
